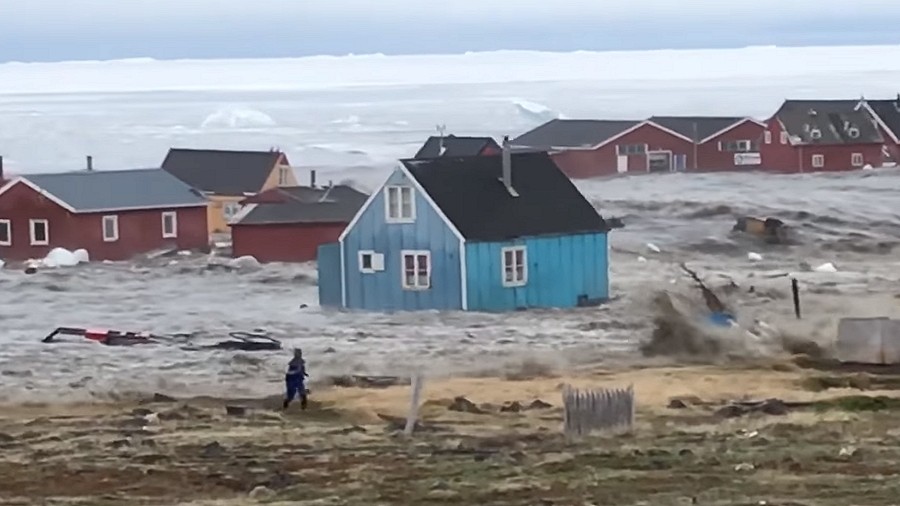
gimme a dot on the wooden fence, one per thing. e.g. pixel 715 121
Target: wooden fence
pixel 586 411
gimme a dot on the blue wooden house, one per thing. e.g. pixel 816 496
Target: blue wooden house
pixel 487 233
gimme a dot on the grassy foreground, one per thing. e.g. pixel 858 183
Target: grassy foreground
pixel 840 446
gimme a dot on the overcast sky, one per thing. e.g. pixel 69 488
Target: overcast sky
pixel 53 30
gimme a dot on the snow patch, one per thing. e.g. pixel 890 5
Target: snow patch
pixel 61 257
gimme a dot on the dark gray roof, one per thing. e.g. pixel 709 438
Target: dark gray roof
pixel 455 146
pixel 222 172
pixel 302 204
pixel 889 113
pixel 469 192
pixel 834 119
pixel 572 133
pixel 118 190
pixel 705 125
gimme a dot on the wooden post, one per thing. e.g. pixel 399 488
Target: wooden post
pixel 415 398
pixel 795 288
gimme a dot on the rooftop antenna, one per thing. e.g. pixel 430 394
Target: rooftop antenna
pixel 441 129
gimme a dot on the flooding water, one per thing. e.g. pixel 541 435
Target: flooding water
pixel 352 118
pixel 848 220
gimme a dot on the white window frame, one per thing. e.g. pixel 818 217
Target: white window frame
pixel 236 206
pixel 34 221
pixel 376 261
pixel 857 160
pixel 632 149
pixel 282 176
pixel 416 285
pixel 398 191
pixel 818 161
pixel 115 221
pixel 767 137
pixel 516 280
pixel 8 225
pixel 174 233
pixel 784 137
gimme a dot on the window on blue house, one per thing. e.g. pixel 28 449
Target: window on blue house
pixel 515 266
pixel 416 270
pixel 399 204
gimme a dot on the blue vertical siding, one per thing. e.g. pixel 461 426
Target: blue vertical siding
pixel 560 269
pixel 383 291
pixel 328 262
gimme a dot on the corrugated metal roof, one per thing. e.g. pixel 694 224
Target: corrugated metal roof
pixel 696 127
pixel 116 190
pixel 455 146
pixel 222 172
pixel 470 193
pixel 572 133
pixel 836 121
pixel 337 204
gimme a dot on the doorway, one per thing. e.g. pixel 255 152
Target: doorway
pixel 622 164
pixel 659 161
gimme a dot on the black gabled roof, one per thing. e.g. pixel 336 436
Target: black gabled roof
pixel 889 113
pixel 302 204
pixel 471 195
pixel 572 133
pixel 222 172
pixel 705 125
pixel 801 117
pixel 453 145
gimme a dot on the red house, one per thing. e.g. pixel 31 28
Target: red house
pixel 288 224
pixel 114 215
pixel 590 148
pixel 720 143
pixel 821 135
pixel 886 114
pixel 451 145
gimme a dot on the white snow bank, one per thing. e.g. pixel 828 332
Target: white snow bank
pixel 61 257
pixel 754 257
pixel 246 262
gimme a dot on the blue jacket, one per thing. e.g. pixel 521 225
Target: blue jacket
pixel 296 369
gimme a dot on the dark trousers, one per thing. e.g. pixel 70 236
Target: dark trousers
pixel 294 388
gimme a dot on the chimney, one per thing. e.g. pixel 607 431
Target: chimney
pixel 312 178
pixel 507 167
pixel 1 169
pixel 90 162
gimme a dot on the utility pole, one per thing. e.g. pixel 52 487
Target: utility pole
pixel 696 140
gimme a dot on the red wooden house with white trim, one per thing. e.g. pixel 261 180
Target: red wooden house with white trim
pixel 821 135
pixel 114 215
pixel 720 143
pixel 590 148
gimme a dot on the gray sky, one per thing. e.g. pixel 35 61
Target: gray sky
pixel 48 30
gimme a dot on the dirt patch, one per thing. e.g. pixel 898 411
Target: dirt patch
pixel 196 454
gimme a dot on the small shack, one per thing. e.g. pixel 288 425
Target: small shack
pixel 869 341
pixel 288 224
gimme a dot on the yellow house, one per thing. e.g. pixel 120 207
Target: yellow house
pixel 228 177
